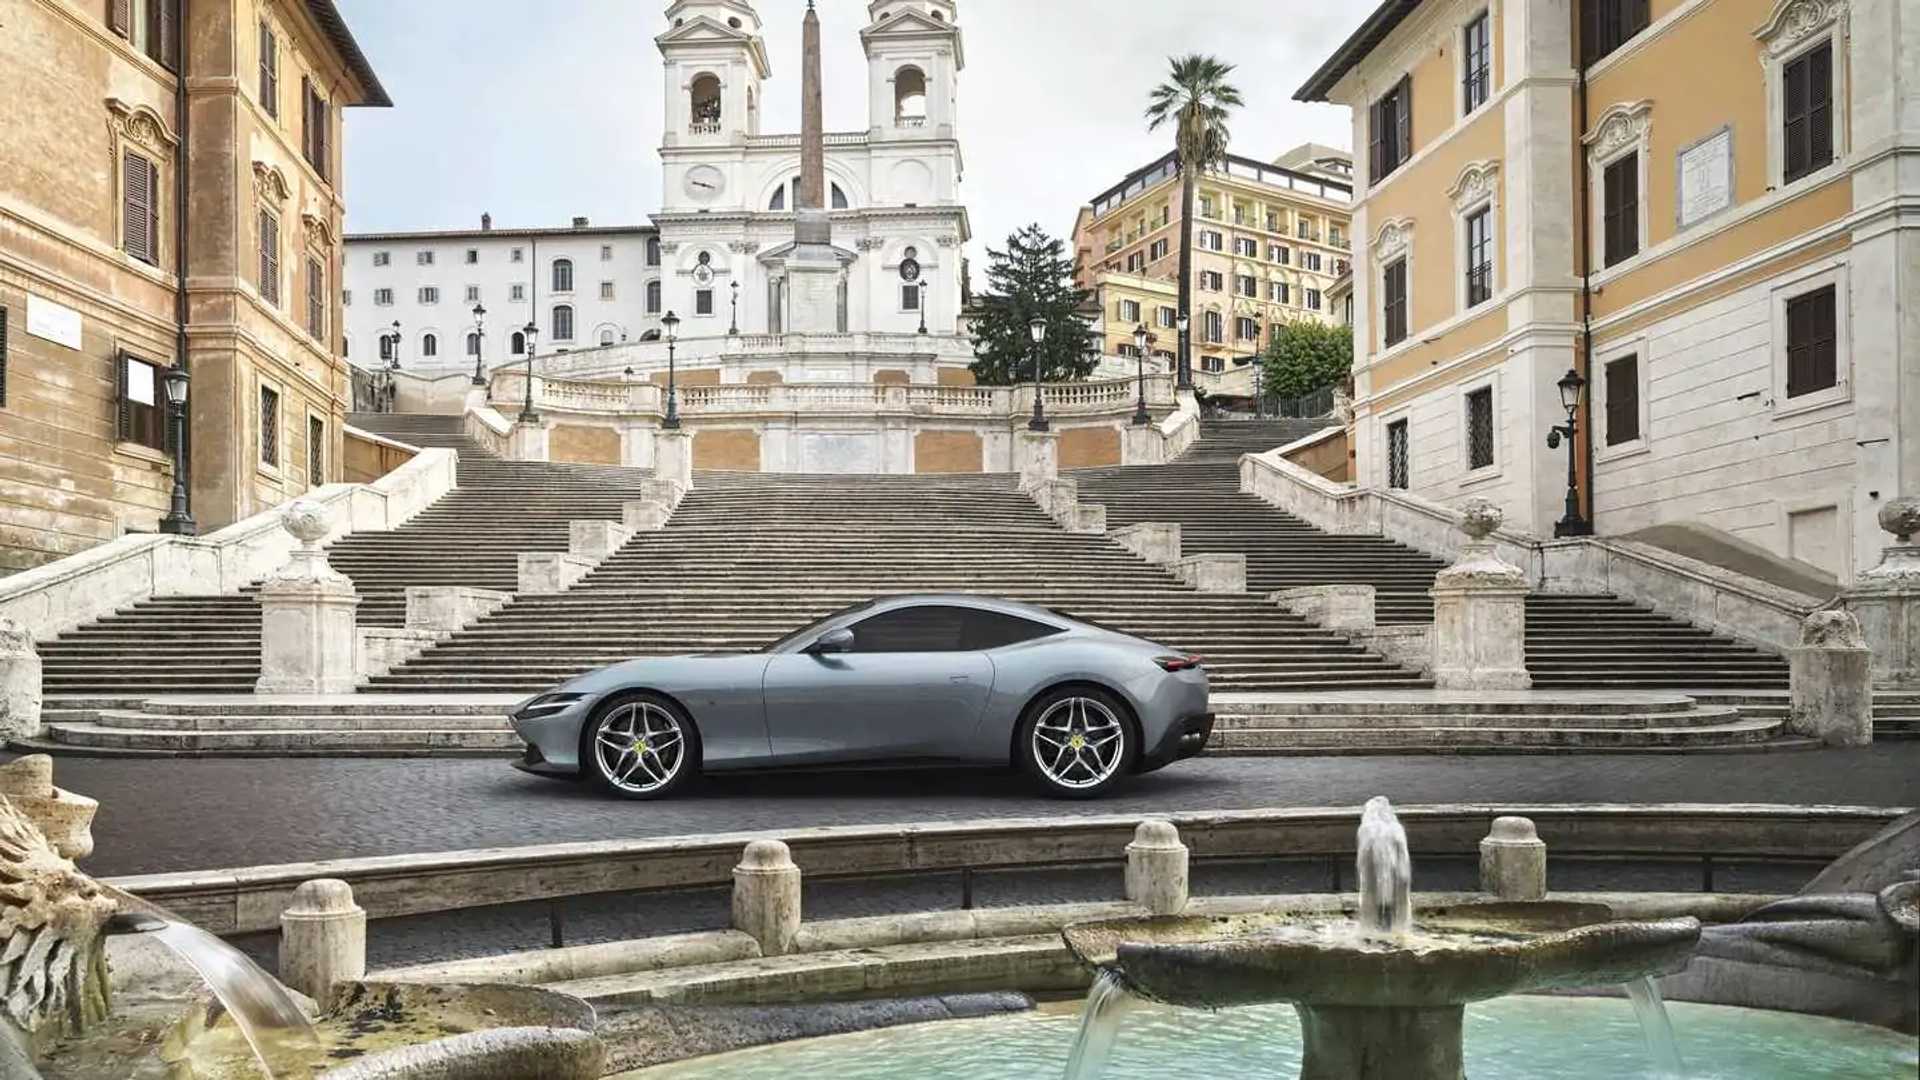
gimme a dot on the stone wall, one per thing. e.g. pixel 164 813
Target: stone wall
pixel 584 443
pixel 948 376
pixel 764 378
pixel 367 457
pixel 696 377
pixel 892 377
pixel 727 448
pixel 1325 455
pixel 1089 447
pixel 946 452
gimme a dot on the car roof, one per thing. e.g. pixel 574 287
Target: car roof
pixel 971 600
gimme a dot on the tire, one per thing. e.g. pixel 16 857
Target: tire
pixel 1046 748
pixel 650 767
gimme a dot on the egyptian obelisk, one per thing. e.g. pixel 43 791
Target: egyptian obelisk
pixel 812 266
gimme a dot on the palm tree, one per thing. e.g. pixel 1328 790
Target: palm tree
pixel 1195 99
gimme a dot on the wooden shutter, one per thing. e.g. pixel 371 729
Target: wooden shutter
pixel 1403 120
pixel 165 41
pixel 321 114
pixel 1795 99
pixel 1819 107
pixel 269 257
pixel 1623 400
pixel 124 421
pixel 3 358
pixel 316 299
pixel 1376 133
pixel 120 17
pixel 306 117
pixel 1620 214
pixel 269 71
pixel 139 212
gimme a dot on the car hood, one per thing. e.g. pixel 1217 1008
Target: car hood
pixel 661 671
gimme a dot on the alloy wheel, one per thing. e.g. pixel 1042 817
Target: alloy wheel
pixel 1078 743
pixel 640 747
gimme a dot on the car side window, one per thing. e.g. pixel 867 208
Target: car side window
pixel 927 628
pixel 994 629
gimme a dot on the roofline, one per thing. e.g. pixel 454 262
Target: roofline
pixel 328 16
pixel 1267 166
pixel 1384 20
pixel 510 234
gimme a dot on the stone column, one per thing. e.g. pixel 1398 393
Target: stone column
pixel 1513 860
pixel 766 896
pixel 1157 868
pixel 1480 612
pixel 1886 599
pixel 1831 682
pixel 307 609
pixel 1039 454
pixel 673 456
pixel 20 683
pixel 323 938
pixel 527 442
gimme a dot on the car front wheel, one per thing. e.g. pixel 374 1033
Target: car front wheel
pixel 641 746
pixel 1078 742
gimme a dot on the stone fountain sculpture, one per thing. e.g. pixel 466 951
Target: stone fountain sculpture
pixel 1380 998
pixel 52 959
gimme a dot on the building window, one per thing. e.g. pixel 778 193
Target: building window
pixel 1216 329
pixel 269 426
pixel 1480 255
pixel 517 293
pixel 1130 311
pixel 1280 254
pixel 518 255
pixel 316 299
pixel 1157 250
pixel 382 258
pixel 563 275
pixel 703 302
pixel 653 298
pixel 563 322
pixel 1280 292
pixel 151 27
pixel 1608 24
pixel 1812 342
pixel 423 258
pixel 429 294
pixel 473 256
pixel 429 345
pixel 1166 317
pixel 707 106
pixel 269 71
pixel 316 115
pixel 1215 364
pixel 606 290
pixel 346 297
pixel 606 337
pixel 1246 286
pixel 1213 280
pixel 1620 208
pixel 473 343
pixel 1393 329
pixel 1313 299
pixel 1476 64
pixel 269 257
pixel 1390 131
pixel 473 294
pixel 1246 247
pixel 518 343
pixel 387 349
pixel 316 451
pixel 1212 241
pixel 1136 262
pixel 1480 428
pixel 140 207
pixel 1807 100
pixel 909 298
pixel 606 252
pixel 1310 260
pixel 1246 329
pixel 383 297
pixel 141 418
pixel 1397 471
pixel 1623 400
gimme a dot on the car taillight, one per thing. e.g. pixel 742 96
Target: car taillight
pixel 1177 663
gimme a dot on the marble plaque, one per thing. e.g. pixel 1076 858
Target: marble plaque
pixel 54 322
pixel 835 452
pixel 1706 178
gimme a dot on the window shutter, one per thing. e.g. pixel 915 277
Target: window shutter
pixel 120 17
pixel 166 33
pixel 1403 122
pixel 1623 404
pixel 306 117
pixel 1376 130
pixel 322 116
pixel 124 422
pixel 137 215
pixel 1794 95
pixel 1629 167
pixel 3 358
pixel 1819 107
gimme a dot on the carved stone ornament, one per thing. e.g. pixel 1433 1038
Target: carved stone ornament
pixel 869 243
pixel 1619 127
pixel 1832 628
pixel 1476 182
pixel 1901 517
pixel 947 241
pixel 1393 237
pixel 319 230
pixel 308 520
pixel 743 247
pixel 270 183
pixel 50 919
pixel 141 125
pixel 1899 569
pixel 1794 21
pixel 668 247
pixel 1480 517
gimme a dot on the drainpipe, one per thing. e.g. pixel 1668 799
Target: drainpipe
pixel 181 174
pixel 1586 291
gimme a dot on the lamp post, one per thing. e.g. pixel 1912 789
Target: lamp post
pixel 1183 367
pixel 672 420
pixel 734 329
pixel 1037 326
pixel 479 342
pixel 1572 524
pixel 1259 400
pixel 1140 339
pixel 393 360
pixel 179 520
pixel 923 305
pixel 527 415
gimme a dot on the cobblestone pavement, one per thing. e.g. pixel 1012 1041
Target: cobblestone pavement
pixel 191 814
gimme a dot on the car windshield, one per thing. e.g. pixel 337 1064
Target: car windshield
pixel 814 627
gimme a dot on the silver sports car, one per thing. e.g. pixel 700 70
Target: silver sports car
pixel 905 680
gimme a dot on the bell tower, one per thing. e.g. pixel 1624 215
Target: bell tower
pixel 715 61
pixel 914 59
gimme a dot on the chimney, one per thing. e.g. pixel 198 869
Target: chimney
pixel 579 223
pixel 486 222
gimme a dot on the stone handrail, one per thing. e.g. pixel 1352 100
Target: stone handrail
pixel 51 599
pixel 1709 596
pixel 692 353
pixel 1182 426
pixel 491 430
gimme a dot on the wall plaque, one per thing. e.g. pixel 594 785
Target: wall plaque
pixel 1705 178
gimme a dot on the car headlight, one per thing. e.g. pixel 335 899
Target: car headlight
pixel 547 705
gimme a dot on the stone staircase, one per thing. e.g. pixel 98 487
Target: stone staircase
pixel 1896 713
pixel 749 556
pixel 1600 642
pixel 471 537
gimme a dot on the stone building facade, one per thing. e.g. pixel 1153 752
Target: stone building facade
pixel 1704 207
pixel 127 202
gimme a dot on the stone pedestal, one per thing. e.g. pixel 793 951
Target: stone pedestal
pixel 1157 868
pixel 673 457
pixel 446 608
pixel 645 515
pixel 1212 572
pixel 596 539
pixel 1480 613
pixel 1039 454
pixel 323 938
pixel 1831 681
pixel 544 573
pixel 307 639
pixel 20 683
pixel 1346 609
pixel 1142 444
pixel 1886 600
pixel 766 896
pixel 1513 861
pixel 1157 542
pixel 527 442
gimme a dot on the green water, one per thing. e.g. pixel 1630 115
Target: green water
pixel 1519 1038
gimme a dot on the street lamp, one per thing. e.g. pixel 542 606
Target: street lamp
pixel 1037 326
pixel 1183 368
pixel 179 520
pixel 479 342
pixel 393 359
pixel 923 305
pixel 734 329
pixel 527 415
pixel 672 420
pixel 1140 339
pixel 1571 384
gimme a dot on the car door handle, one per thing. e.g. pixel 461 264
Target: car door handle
pixel 959 678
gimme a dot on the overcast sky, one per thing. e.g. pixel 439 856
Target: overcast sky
pixel 538 112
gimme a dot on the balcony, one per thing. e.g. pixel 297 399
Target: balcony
pixel 704 127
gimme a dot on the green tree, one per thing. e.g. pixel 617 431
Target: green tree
pixel 1305 356
pixel 1195 99
pixel 1033 276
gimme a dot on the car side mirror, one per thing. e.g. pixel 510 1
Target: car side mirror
pixel 833 642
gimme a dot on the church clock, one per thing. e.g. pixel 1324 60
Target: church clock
pixel 704 183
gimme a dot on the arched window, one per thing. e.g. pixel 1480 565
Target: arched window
pixel 473 344
pixel 653 251
pixel 519 342
pixel 563 322
pixel 563 275
pixel 429 345
pixel 910 97
pixel 653 297
pixel 706 103
pixel 606 336
pixel 837 198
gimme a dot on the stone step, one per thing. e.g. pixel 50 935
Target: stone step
pixel 328 741
pixel 1310 722
pixel 298 721
pixel 1386 740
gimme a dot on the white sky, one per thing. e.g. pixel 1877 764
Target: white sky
pixel 539 112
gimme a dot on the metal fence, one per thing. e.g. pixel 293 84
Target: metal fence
pixel 1307 406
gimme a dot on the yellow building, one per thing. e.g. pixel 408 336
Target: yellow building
pixel 1268 241
pixel 169 195
pixel 1704 207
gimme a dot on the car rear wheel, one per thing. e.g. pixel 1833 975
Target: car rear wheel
pixel 641 746
pixel 1078 742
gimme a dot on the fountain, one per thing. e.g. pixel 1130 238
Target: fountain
pixel 1383 994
